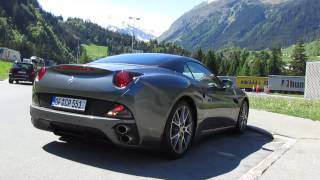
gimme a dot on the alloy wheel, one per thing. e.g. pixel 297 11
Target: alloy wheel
pixel 181 129
pixel 243 117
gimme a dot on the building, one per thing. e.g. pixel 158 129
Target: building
pixel 312 87
pixel 9 54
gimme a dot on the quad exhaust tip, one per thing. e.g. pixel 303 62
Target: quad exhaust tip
pixel 125 139
pixel 122 129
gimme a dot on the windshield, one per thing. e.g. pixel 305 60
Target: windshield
pixel 23 66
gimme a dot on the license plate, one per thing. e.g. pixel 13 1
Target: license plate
pixel 69 103
pixel 22 72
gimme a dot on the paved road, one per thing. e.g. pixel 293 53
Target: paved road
pixel 28 153
pixel 302 161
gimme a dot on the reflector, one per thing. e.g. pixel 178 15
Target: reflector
pixel 119 111
pixel 41 74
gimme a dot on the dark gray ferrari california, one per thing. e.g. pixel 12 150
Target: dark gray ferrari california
pixel 137 100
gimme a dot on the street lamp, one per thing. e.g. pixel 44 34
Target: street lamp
pixel 134 19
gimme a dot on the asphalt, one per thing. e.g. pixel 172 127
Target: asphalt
pixel 28 153
pixel 302 160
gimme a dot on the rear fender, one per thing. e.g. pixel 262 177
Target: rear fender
pixel 151 100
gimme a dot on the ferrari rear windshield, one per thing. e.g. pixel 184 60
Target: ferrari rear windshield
pixel 140 59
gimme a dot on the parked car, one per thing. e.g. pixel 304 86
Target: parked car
pixel 138 100
pixel 22 72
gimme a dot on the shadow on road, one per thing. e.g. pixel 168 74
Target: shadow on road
pixel 212 156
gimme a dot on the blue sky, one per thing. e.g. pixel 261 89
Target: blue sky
pixel 156 15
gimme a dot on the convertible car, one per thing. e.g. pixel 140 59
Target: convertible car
pixel 137 100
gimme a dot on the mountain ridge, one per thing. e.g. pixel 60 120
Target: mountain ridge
pixel 26 27
pixel 253 24
pixel 140 34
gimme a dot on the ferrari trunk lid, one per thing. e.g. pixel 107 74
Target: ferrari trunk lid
pixel 80 80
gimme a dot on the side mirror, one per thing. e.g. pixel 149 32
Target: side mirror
pixel 227 83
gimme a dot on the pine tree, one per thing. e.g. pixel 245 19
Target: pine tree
pixel 243 57
pixel 299 59
pixel 317 48
pixel 84 56
pixel 199 55
pixel 211 61
pixel 245 69
pixel 274 66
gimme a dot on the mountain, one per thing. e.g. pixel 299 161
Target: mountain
pixel 140 34
pixel 254 24
pixel 26 27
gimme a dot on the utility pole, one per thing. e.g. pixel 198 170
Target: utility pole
pixel 78 52
pixel 134 19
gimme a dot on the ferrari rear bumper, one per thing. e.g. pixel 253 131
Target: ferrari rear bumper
pixel 120 132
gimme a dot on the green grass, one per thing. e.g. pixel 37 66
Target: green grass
pixel 289 95
pixel 293 107
pixel 95 51
pixel 310 47
pixel 4 69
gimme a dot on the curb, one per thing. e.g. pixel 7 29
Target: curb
pixel 257 171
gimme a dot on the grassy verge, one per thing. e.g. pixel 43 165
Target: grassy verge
pixel 289 95
pixel 4 69
pixel 94 52
pixel 293 107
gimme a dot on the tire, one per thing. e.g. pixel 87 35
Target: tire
pixel 10 81
pixel 179 130
pixel 242 118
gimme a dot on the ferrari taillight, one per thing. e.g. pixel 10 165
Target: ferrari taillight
pixel 41 74
pixel 123 78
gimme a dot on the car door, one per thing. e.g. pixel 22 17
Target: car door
pixel 219 104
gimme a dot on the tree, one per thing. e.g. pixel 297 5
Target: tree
pixel 199 55
pixel 299 59
pixel 234 62
pixel 274 66
pixel 264 57
pixel 84 56
pixel 245 69
pixel 243 58
pixel 316 51
pixel 211 61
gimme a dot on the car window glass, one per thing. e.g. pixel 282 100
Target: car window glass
pixel 187 72
pixel 16 66
pixel 199 72
pixel 23 66
pixel 202 74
